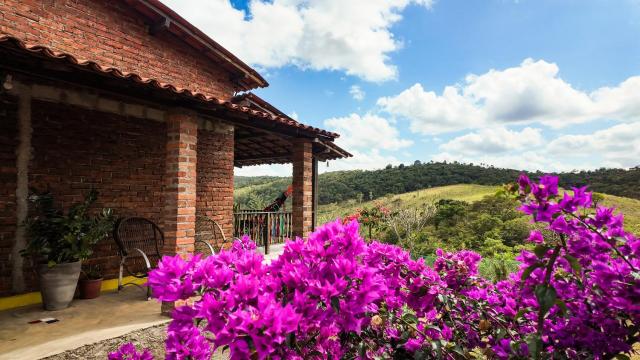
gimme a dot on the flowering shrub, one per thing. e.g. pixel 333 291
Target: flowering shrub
pixel 372 218
pixel 128 352
pixel 577 295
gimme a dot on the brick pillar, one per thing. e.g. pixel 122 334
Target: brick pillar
pixel 302 206
pixel 215 175
pixel 180 182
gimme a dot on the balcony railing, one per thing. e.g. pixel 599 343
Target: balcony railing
pixel 264 227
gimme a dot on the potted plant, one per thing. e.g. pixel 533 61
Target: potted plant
pixel 91 282
pixel 58 243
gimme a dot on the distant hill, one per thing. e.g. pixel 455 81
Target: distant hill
pixel 360 185
pixel 463 192
pixel 414 199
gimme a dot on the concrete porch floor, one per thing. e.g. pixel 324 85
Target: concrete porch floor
pixel 274 251
pixel 85 322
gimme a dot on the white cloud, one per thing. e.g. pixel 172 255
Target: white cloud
pixel 365 137
pixel 529 93
pixel 264 170
pixel 353 36
pixel 621 102
pixel 365 132
pixel 357 93
pixel 430 113
pixel 492 141
pixel 528 160
pixel 617 146
pixel 363 160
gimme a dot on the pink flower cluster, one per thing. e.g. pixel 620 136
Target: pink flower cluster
pixel 335 296
pixel 128 351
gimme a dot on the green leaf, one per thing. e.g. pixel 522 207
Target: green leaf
pixel 623 357
pixel 362 349
pixel 436 345
pixel 546 296
pixel 535 346
pixel 561 304
pixel 335 304
pixel 520 313
pixel 541 250
pixel 420 355
pixel 410 318
pixel 575 264
pixel 620 239
pixel 527 272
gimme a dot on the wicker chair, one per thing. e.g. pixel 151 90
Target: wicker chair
pixel 209 234
pixel 140 242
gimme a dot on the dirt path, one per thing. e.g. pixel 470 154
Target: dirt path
pixel 151 338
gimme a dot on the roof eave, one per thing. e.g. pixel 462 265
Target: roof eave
pixel 180 27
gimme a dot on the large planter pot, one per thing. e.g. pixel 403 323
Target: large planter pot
pixel 90 288
pixel 58 284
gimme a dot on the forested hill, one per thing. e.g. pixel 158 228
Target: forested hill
pixel 339 186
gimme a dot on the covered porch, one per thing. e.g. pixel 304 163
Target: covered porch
pixel 150 149
pixel 89 329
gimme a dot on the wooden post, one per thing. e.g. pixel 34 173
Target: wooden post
pixel 23 155
pixel 268 239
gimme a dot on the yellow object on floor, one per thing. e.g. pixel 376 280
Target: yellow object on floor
pixel 32 298
pixel 111 315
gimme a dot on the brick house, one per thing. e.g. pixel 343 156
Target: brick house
pixel 128 98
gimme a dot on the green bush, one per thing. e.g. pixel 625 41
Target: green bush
pixel 56 237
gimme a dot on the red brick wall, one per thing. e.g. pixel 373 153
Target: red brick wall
pixel 302 199
pixel 74 150
pixel 112 34
pixel 8 143
pixel 215 177
pixel 124 158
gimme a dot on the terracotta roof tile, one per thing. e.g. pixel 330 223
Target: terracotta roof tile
pixel 92 65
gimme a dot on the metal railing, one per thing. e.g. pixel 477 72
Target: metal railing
pixel 263 227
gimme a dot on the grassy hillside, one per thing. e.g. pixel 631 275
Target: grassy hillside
pixel 463 192
pixel 630 208
pixel 359 185
pixel 240 182
pixel 257 192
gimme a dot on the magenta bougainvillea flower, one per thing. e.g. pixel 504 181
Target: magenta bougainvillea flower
pixel 333 295
pixel 128 351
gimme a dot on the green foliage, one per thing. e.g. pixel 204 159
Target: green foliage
pixel 449 212
pixel 411 201
pixel 55 237
pixel 256 193
pixel 340 186
pixel 513 231
pixel 490 268
pixel 92 272
pixel 488 226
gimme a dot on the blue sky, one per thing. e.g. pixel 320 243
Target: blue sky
pixel 536 84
